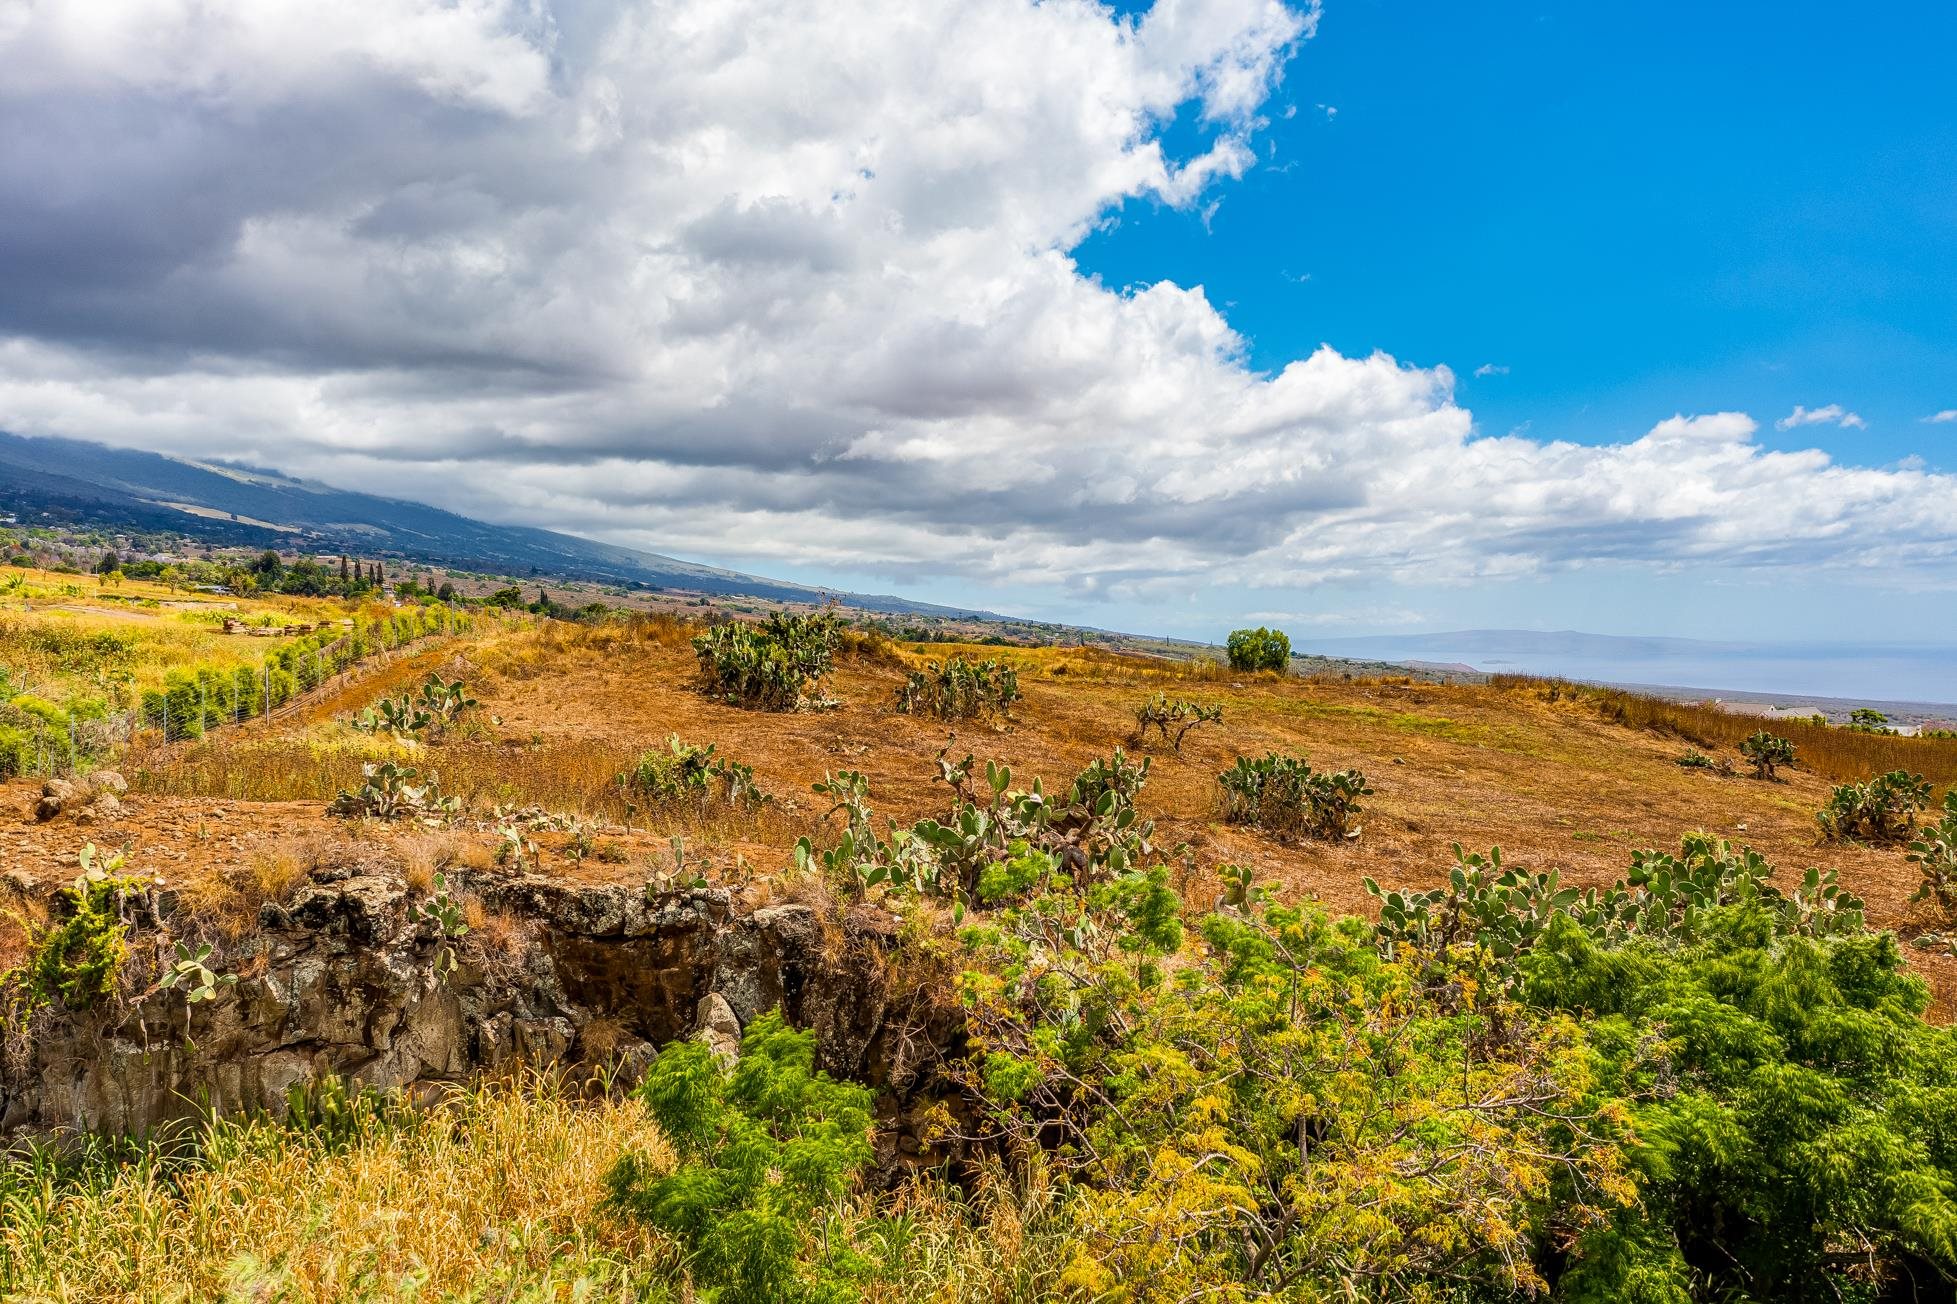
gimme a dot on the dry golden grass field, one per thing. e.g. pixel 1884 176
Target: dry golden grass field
pixel 1558 778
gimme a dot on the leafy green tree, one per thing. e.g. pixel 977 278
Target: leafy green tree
pixel 1259 649
pixel 1864 719
pixel 306 578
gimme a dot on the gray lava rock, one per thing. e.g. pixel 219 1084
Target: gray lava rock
pixel 338 980
pixel 719 1029
pixel 57 795
pixel 108 781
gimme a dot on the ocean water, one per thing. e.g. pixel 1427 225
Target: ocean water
pixel 1871 674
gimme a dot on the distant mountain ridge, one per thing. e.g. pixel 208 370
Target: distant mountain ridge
pixel 253 506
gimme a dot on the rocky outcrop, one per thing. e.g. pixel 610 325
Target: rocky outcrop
pixel 345 978
pixel 87 799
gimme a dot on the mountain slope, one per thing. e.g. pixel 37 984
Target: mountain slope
pixel 252 506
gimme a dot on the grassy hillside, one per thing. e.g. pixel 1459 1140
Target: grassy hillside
pixel 1558 778
pixel 92 666
pixel 1200 1070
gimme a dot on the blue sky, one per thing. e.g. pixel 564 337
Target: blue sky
pixel 1634 209
pixel 1596 217
pixel 1356 318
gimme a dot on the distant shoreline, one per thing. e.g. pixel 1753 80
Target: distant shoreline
pixel 1905 714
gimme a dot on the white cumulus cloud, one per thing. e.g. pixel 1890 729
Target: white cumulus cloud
pixel 781 283
pixel 1832 415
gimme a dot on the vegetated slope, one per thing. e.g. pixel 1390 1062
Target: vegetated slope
pixel 1560 780
pixel 1667 1098
pixel 253 506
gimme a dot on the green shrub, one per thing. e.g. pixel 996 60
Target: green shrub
pixel 39 708
pixel 1766 751
pixel 1259 649
pixel 685 772
pixel 766 1154
pixel 1882 810
pixel 1487 915
pixel 17 751
pixel 1794 1113
pixel 388 792
pixel 1935 853
pixel 996 844
pixel 77 959
pixel 1688 1086
pixel 771 666
pixel 1262 1108
pixel 959 689
pixel 1284 795
pixel 1172 718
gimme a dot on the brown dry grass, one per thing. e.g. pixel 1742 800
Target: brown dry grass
pixel 1836 753
pixel 493 1194
pixel 20 917
pixel 229 898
